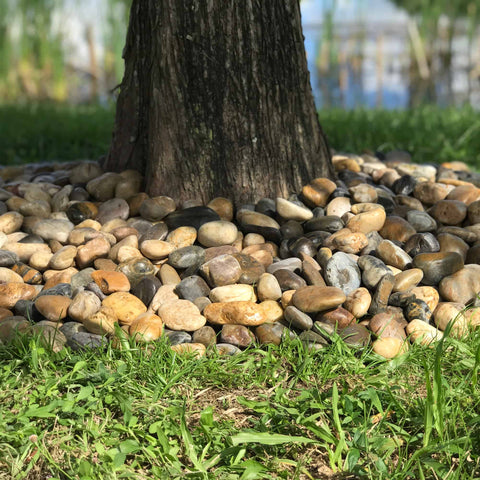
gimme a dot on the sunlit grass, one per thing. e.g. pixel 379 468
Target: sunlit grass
pixel 281 412
pixel 59 132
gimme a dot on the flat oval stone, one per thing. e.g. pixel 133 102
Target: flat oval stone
pixel 292 264
pixel 418 309
pixel 237 335
pixel 268 287
pixel 146 288
pixel 342 272
pixel 291 229
pixel 393 255
pixel 312 299
pixel 297 319
pixel 385 325
pixel 12 326
pixel 101 322
pixel 82 341
pixel 63 258
pixel 168 275
pixel 452 243
pixel 217 233
pixel 338 317
pixel 430 192
pixel 289 280
pixel 407 279
pixel 125 305
pixel 451 312
pixel 191 217
pixel 157 208
pixel 436 266
pixel 177 338
pixel 110 282
pixel 347 241
pixel 53 307
pixel 382 294
pixel 7 258
pixel 241 313
pixel 272 333
pixel 317 192
pixel 187 257
pixel 421 243
pixel 232 293
pixel 292 211
pixel 49 335
pixel 223 207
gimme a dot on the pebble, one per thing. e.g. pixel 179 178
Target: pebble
pixel 341 271
pixel 393 240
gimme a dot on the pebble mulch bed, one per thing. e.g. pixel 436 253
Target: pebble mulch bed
pixel 386 255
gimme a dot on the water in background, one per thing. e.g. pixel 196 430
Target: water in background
pixel 361 53
pixel 370 53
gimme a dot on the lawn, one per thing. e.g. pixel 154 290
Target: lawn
pixel 277 412
pixel 282 412
pixel 31 133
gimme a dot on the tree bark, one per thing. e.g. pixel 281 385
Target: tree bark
pixel 216 101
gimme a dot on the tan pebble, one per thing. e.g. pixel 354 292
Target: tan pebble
pixel 253 239
pixel 407 279
pixel 358 302
pixel 423 333
pixel 312 299
pixel 233 293
pixel 368 221
pixel 390 347
pixel 89 223
pixel 7 275
pixel 102 322
pixel 217 233
pixel 447 312
pixel 347 241
pixel 165 294
pixel 10 222
pixel 26 250
pixel 79 236
pixel 105 264
pixel 125 305
pixel 195 349
pixel 110 282
pixel 272 311
pixel 223 206
pixel 156 249
pixel 182 237
pixel 181 315
pixel 63 258
pixel 318 191
pixel 53 307
pixel 54 277
pixel 168 275
pixel 113 224
pixel 125 253
pixel 129 241
pixel 241 313
pixel 93 249
pixel 286 299
pixel 147 327
pixel 10 293
pixel 268 287
pixel 123 232
pixel 429 295
pixel 83 306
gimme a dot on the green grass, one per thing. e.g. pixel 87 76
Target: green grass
pixel 31 133
pixel 283 412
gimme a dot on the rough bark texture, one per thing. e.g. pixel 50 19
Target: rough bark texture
pixel 216 100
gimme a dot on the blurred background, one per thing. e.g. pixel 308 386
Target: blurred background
pixel 370 53
pixel 386 74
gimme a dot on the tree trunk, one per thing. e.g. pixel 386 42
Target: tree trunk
pixel 216 101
